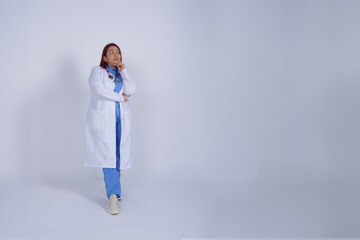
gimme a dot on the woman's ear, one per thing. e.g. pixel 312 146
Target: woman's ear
pixel 104 58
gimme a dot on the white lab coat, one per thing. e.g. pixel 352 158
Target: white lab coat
pixel 100 131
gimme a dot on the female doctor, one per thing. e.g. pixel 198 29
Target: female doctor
pixel 108 125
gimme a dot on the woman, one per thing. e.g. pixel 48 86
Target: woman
pixel 108 126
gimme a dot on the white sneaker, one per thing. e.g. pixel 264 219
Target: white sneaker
pixel 113 205
pixel 118 198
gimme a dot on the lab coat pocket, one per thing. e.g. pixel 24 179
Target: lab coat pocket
pixel 127 119
pixel 97 120
pixel 126 132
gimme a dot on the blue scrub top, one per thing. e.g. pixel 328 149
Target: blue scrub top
pixel 117 89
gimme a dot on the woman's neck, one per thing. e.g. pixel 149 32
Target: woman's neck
pixel 113 67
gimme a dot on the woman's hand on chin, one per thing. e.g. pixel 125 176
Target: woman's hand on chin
pixel 120 66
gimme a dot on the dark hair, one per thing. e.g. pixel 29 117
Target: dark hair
pixel 102 62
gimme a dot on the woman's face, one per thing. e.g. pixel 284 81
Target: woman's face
pixel 113 56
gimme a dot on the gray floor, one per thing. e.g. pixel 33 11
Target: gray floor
pixel 171 209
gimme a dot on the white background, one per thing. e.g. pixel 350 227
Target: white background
pixel 246 118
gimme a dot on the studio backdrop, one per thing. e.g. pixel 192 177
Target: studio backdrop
pixel 247 110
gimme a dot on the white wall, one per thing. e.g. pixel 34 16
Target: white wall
pixel 237 98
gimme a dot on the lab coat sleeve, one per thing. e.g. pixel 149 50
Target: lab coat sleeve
pixel 128 82
pixel 97 86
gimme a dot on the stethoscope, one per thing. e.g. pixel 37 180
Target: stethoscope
pixel 111 76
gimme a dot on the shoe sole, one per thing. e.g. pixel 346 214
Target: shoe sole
pixel 114 212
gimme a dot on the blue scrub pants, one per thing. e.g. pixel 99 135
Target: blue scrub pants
pixel 112 175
